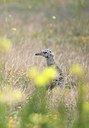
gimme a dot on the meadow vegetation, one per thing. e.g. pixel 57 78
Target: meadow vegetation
pixel 27 27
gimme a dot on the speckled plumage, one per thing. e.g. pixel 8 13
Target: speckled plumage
pixel 46 53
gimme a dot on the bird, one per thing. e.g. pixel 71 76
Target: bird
pixel 49 56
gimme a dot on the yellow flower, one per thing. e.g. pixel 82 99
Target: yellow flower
pixel 40 81
pixel 42 78
pixel 50 73
pixel 5 44
pixel 76 69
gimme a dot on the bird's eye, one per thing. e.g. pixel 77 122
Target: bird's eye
pixel 44 52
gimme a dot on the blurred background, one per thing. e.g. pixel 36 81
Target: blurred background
pixel 31 26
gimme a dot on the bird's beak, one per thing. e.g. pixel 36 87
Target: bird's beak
pixel 38 54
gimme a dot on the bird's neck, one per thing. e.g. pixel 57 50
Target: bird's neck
pixel 50 61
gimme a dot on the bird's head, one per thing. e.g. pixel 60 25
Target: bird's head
pixel 47 53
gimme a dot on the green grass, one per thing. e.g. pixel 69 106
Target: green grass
pixel 68 37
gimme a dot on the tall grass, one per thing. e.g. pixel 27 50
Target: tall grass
pixel 64 29
pixel 36 113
